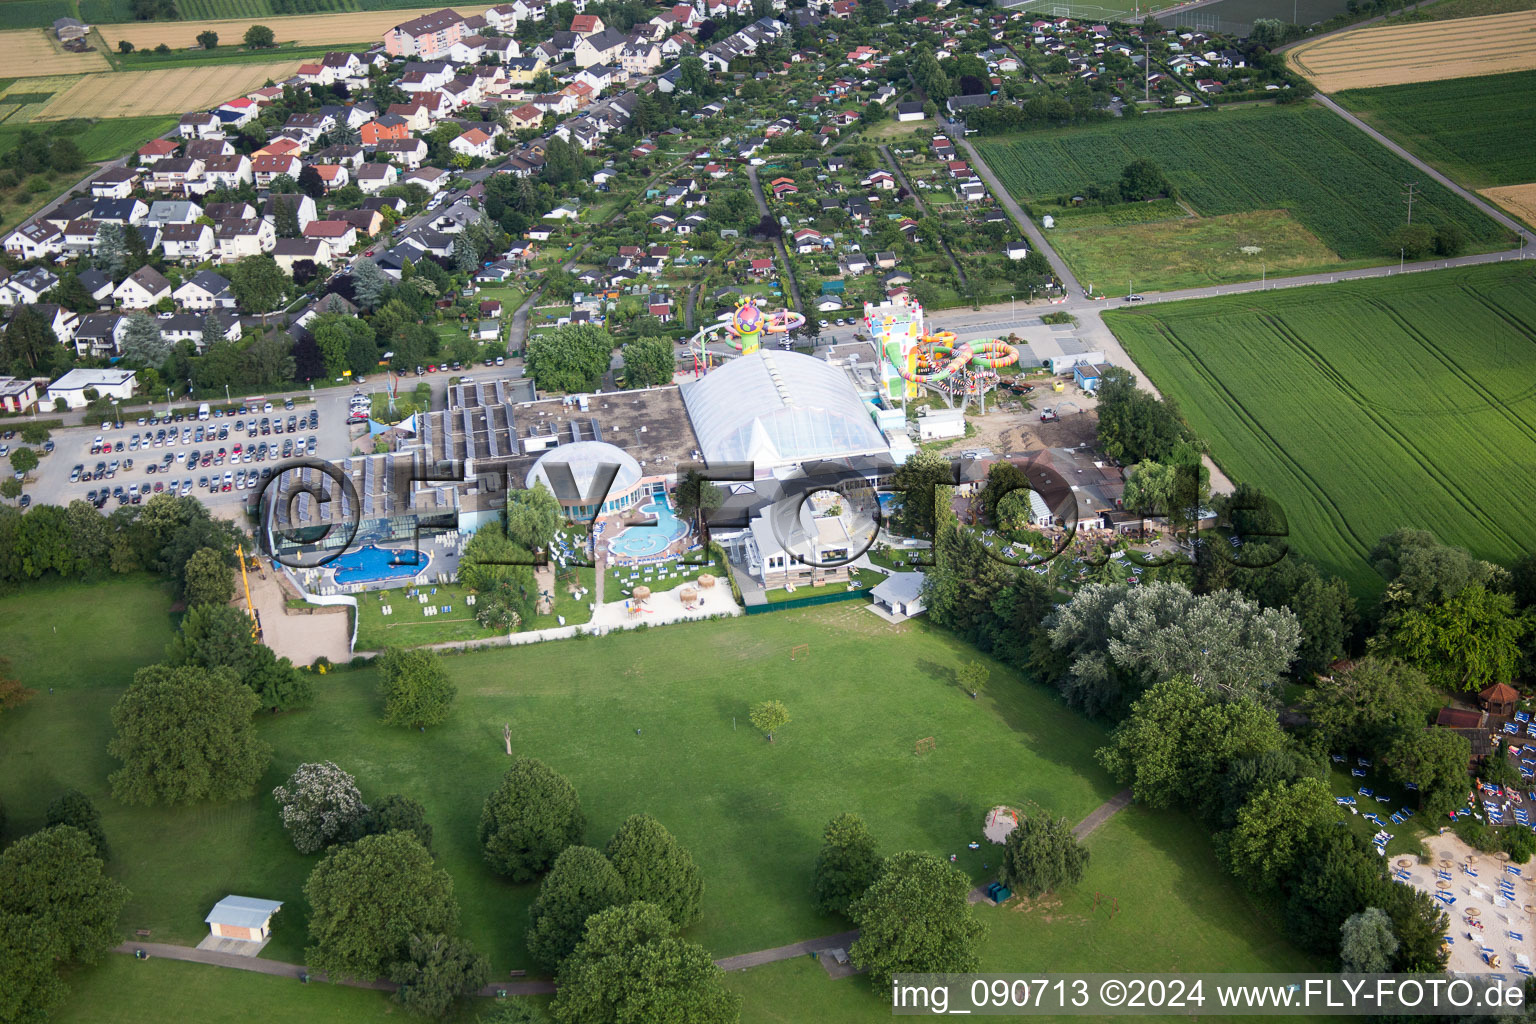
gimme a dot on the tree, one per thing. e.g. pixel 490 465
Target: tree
pixel 208 40
pixel 320 805
pixel 338 336
pixel 973 676
pixel 285 211
pixel 630 967
pixel 57 908
pixel 1180 739
pixel 184 734
pixel 769 716
pixel 918 480
pixel 1042 855
pixel 415 687
pixel 24 460
pixel 398 813
pixel 648 362
pixel 10 487
pixel 696 495
pixel 1435 760
pixel 1141 180
pixel 124 46
pixel 259 37
pixel 74 808
pixel 529 819
pixel 436 972
pixel 1469 642
pixel 656 868
pixel 514 1011
pixel 915 919
pixel 581 883
pixel 1420 571
pixel 310 182
pixel 1133 425
pixel 465 258
pixel 220 636
pixel 259 284
pixel 143 343
pixel 369 284
pixel 1368 705
pixel 533 516
pixel 571 359
pixel 1412 241
pixel 28 343
pixel 692 76
pixel 208 578
pixel 847 865
pixel 1366 944
pixel 1450 239
pixel 1271 831
pixel 366 899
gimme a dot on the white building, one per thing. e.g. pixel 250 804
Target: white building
pixel 71 387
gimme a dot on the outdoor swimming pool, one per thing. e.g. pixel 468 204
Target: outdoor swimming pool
pixel 644 541
pixel 374 564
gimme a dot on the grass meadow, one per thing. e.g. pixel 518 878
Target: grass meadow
pixel 1364 406
pixel 1466 127
pixel 651 720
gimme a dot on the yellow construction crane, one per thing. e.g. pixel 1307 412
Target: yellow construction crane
pixel 250 606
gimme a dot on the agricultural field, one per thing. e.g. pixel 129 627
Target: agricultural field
pixel 1445 10
pixel 1334 181
pixel 1519 200
pixel 1378 55
pixel 1192 251
pixel 98 140
pixel 1463 126
pixel 31 53
pixel 33 13
pixel 1364 406
pixel 169 91
pixel 207 9
pixel 311 29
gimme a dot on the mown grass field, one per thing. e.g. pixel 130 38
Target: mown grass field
pixel 1365 406
pixel 750 811
pixel 1446 10
pixel 1463 126
pixel 1336 182
pixel 33 13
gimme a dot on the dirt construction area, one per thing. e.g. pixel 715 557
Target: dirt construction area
pixel 1400 54
pixel 30 53
pixel 1519 200
pixel 172 91
pixel 307 29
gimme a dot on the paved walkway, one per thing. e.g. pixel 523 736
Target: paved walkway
pixel 742 961
pixel 1108 809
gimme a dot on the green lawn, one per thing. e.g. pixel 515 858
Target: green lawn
pixel 1363 407
pixel 33 13
pixel 1192 252
pixel 230 52
pixel 646 720
pixel 105 139
pixel 1460 125
pixel 617 579
pixel 1337 183
pixel 407 626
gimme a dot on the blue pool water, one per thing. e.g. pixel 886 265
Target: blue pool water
pixel 644 541
pixel 374 564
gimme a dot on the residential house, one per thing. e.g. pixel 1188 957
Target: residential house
pixel 475 144
pixel 366 222
pixel 119 211
pixel 426 36
pixel 100 335
pixel 373 178
pixel 290 251
pixel 156 150
pixel 909 111
pixel 333 176
pixel 96 284
pixel 338 235
pixel 204 291
pixel 525 116
pixel 35 240
pixel 202 125
pixel 188 243
pixel 408 153
pixel 228 172
pixel 300 203
pixel 142 289
pixel 433 179
pixel 266 167
pixel 27 286
pixel 237 238
pixel 114 183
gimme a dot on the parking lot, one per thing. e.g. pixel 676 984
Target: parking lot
pixel 220 460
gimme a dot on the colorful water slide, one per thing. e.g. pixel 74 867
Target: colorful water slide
pixel 938 357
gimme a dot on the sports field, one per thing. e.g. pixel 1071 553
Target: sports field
pixel 1398 54
pixel 30 53
pixel 749 811
pixel 315 29
pixel 169 91
pixel 1466 127
pixel 1365 406
pixel 1330 177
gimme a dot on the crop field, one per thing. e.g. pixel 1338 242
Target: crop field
pixel 311 29
pixel 1365 406
pixel 1445 10
pixel 1467 127
pixel 1519 200
pixel 1334 180
pixel 209 9
pixel 1398 54
pixel 30 53
pixel 1191 252
pixel 32 13
pixel 98 140
pixel 173 91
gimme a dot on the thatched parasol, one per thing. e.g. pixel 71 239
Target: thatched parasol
pixel 706 580
pixel 1474 912
pixel 641 593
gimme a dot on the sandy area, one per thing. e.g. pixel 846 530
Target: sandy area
pixel 307 29
pixel 1519 200
pixel 1480 893
pixel 170 91
pixel 29 53
pixel 1398 54
pixel 300 637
